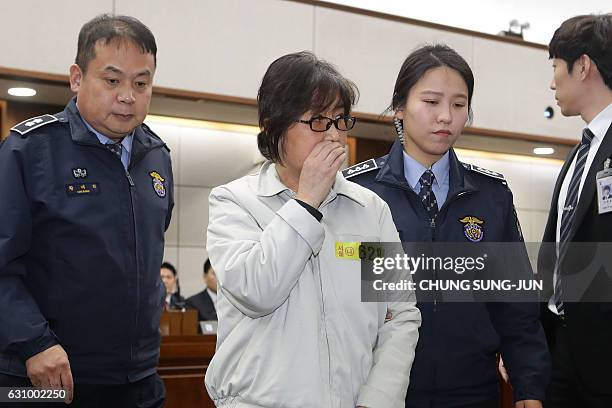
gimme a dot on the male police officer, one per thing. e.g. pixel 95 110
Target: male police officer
pixel 86 198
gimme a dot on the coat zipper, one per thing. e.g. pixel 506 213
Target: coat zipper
pixel 132 185
pixel 432 221
pixel 135 160
pixel 432 226
pixel 317 264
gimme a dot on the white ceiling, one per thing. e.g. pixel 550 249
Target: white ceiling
pixel 489 16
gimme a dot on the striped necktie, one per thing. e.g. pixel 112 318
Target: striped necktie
pixel 567 218
pixel 115 147
pixel 428 198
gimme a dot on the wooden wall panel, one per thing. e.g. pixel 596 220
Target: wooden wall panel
pixel 222 46
pixel 17 112
pixel 42 35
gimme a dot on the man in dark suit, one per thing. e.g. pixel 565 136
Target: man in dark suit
pixel 205 301
pixel 577 313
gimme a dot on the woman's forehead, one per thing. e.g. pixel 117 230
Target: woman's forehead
pixel 336 106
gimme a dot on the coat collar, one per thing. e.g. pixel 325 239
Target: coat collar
pixel 392 172
pixel 143 142
pixel 267 183
pixel 413 170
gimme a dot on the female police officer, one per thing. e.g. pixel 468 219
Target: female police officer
pixel 433 197
pixel 292 330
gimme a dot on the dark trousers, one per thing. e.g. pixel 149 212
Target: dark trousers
pixel 146 393
pixel 566 388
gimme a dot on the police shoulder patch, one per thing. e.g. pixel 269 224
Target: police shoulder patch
pixel 360 168
pixel 33 123
pixel 158 184
pixel 484 171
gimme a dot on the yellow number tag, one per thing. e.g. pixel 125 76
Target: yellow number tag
pixel 348 250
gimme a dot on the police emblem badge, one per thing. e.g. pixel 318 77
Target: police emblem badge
pixel 79 173
pixel 472 228
pixel 158 184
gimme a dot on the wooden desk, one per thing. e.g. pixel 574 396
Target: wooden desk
pixel 182 365
pixel 506 398
pixel 179 322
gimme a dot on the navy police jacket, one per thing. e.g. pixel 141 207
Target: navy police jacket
pixel 81 244
pixel 458 342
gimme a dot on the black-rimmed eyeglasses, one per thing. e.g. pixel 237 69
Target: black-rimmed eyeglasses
pixel 322 123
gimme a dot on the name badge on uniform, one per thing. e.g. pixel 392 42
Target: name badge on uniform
pixel 604 188
pixel 82 189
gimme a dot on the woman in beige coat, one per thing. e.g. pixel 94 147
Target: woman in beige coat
pixel 293 331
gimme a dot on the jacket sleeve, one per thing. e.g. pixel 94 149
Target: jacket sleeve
pixel 257 265
pixel 23 329
pixel 523 343
pixel 389 376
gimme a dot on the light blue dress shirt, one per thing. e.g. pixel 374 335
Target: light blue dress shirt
pixel 413 170
pixel 126 143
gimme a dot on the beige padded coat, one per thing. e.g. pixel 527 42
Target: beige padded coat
pixel 293 332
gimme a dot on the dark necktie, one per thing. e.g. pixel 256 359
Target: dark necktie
pixel 115 148
pixel 569 210
pixel 428 198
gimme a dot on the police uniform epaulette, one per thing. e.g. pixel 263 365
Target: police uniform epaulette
pixel 148 129
pixel 360 168
pixel 484 171
pixel 153 134
pixel 33 123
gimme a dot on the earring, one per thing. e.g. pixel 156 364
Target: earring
pixel 399 128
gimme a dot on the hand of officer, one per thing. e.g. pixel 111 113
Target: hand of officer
pixel 528 404
pixel 502 370
pixel 319 172
pixel 51 369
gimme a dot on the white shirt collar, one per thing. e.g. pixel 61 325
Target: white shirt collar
pixel 126 143
pixel 413 170
pixel 600 123
pixel 212 295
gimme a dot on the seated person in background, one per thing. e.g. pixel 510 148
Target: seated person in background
pixel 205 301
pixel 174 300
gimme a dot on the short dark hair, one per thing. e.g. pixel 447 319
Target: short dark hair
pixel 294 84
pixel 169 266
pixel 207 266
pixel 585 34
pixel 106 28
pixel 422 60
